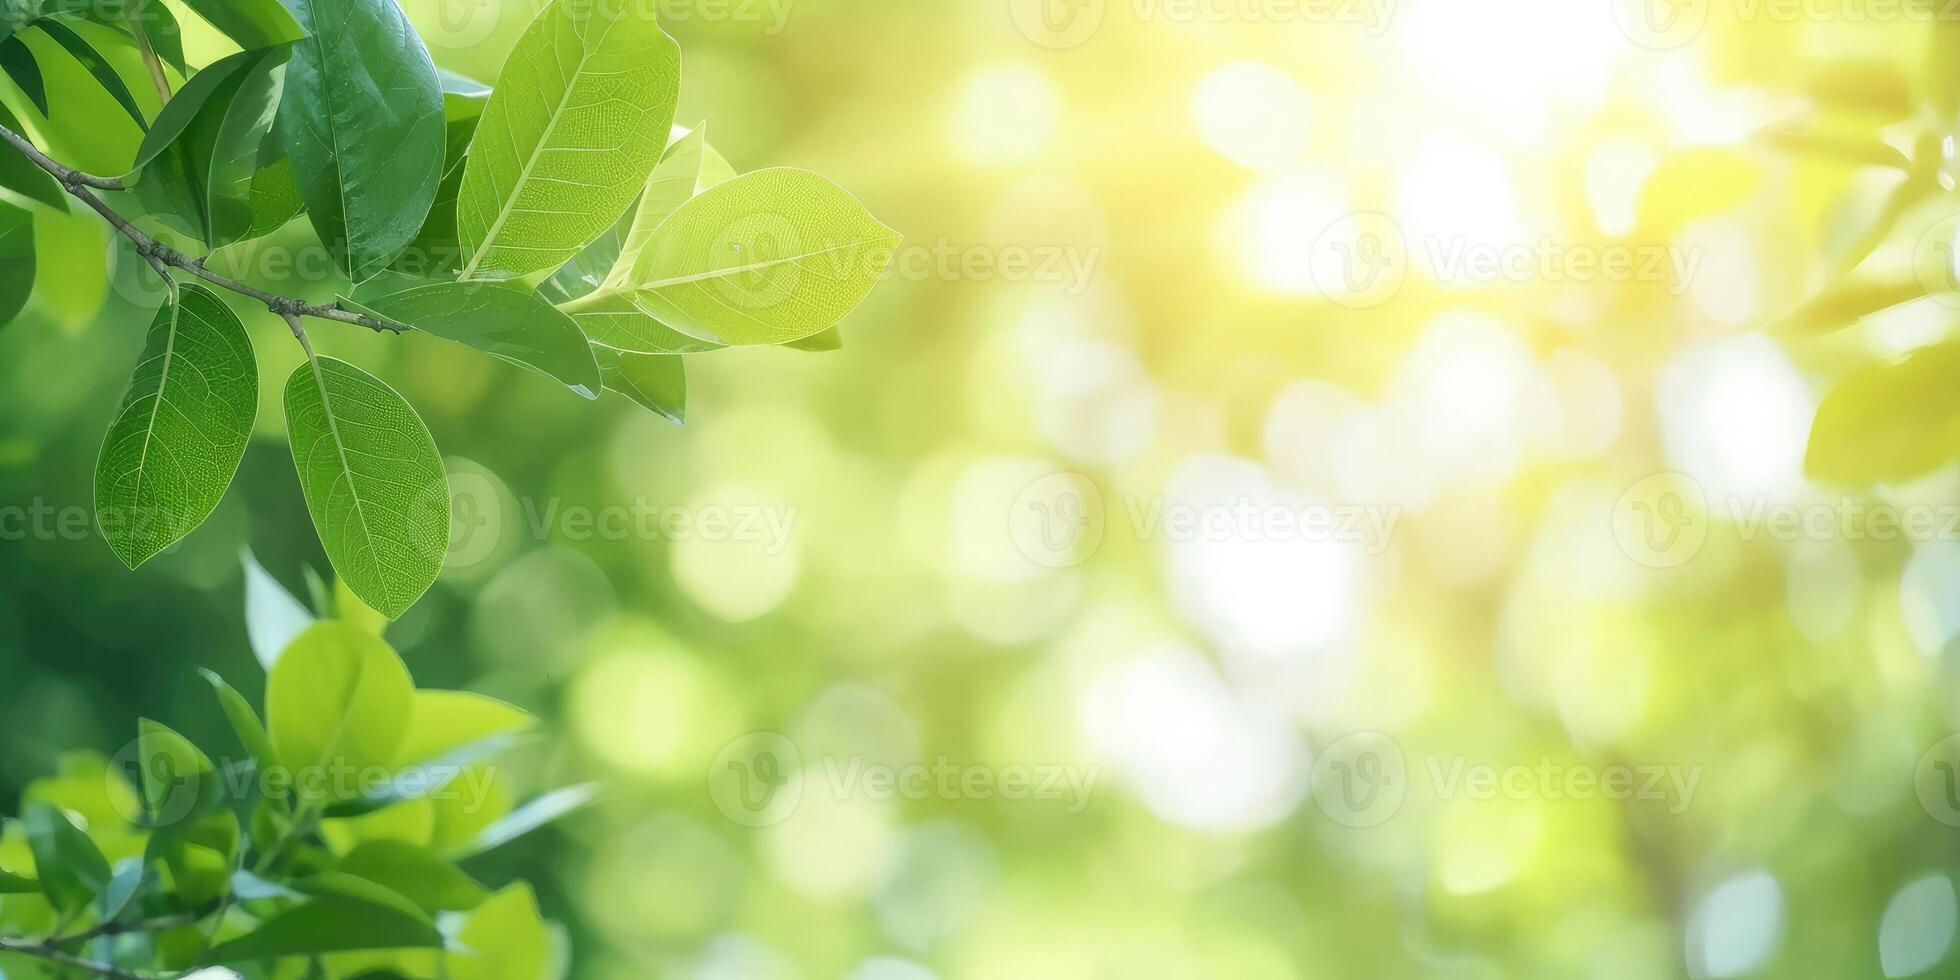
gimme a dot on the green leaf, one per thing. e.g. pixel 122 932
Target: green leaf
pixel 17 61
pixel 415 872
pixel 252 23
pixel 441 722
pixel 343 913
pixel 363 124
pixel 337 704
pixel 244 721
pixel 17 261
pixel 104 73
pixel 1889 422
pixel 372 479
pixel 767 258
pixel 275 196
pixel 272 616
pixel 578 120
pixel 508 321
pixel 1846 303
pixel 658 382
pixel 13 884
pixel 180 434
pixel 613 320
pixel 202 158
pixel 19 174
pixel 829 340
pixel 504 939
pixel 179 783
pixel 682 174
pixel 546 809
pixel 72 871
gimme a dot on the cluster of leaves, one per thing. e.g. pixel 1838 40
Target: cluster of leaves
pixel 326 845
pixel 559 221
pixel 1894 420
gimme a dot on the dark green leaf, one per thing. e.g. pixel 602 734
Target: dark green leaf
pixel 373 482
pixel 105 74
pixel 177 441
pixel 658 382
pixel 72 871
pixel 16 261
pixel 207 146
pixel 363 124
pixel 13 884
pixel 343 913
pixel 507 321
pixel 20 175
pixel 18 62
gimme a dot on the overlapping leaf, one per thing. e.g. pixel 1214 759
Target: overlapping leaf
pixel 203 158
pixel 511 323
pixel 578 120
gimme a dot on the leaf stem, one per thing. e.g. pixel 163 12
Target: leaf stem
pixel 162 257
pixel 149 50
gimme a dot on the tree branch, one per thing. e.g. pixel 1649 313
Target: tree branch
pixel 161 257
pixel 48 952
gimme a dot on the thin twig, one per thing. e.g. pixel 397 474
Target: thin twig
pixel 47 952
pixel 161 256
pixel 136 19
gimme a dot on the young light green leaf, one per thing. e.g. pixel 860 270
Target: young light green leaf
pixel 829 340
pixel 1889 422
pixel 658 382
pixel 441 722
pixel 19 175
pixel 545 809
pixel 180 434
pixel 578 120
pixel 677 179
pixel 342 914
pixel 252 23
pixel 72 870
pixel 363 125
pixel 417 873
pixel 611 319
pixel 17 261
pixel 202 159
pixel 505 320
pixel 336 703
pixel 767 258
pixel 503 939
pixel 244 721
pixel 372 479
pixel 179 783
pixel 272 616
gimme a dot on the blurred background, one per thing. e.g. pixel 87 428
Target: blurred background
pixel 1304 503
